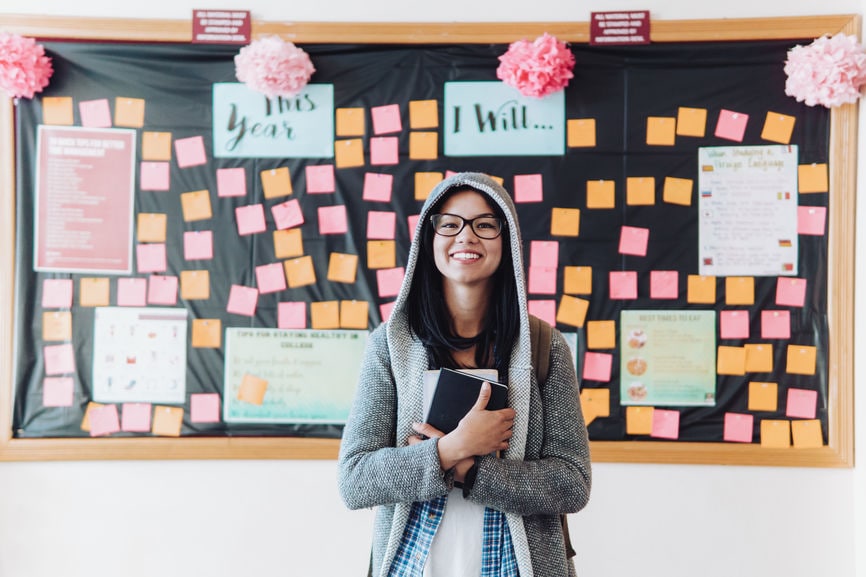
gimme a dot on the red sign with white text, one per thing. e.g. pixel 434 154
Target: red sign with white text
pixel 617 28
pixel 221 26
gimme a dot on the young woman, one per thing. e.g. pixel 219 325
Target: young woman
pixel 486 498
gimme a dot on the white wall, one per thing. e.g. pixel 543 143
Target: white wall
pixel 219 518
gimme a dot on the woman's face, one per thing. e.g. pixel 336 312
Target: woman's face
pixel 466 259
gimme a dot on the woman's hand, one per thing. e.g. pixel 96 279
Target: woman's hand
pixel 426 431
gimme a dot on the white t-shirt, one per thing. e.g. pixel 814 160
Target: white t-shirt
pixel 456 547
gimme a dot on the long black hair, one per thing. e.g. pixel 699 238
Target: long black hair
pixel 428 314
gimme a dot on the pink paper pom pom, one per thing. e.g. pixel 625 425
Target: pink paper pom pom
pixel 24 68
pixel 537 68
pixel 829 71
pixel 274 67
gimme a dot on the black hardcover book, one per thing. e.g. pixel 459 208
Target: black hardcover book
pixel 456 393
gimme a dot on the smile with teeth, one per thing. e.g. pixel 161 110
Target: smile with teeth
pixel 465 256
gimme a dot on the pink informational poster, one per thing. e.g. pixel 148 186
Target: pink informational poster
pixel 85 180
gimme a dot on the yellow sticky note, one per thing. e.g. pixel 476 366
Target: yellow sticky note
pixel 349 153
pixel 801 360
pixel 731 361
pixel 57 110
pixel 740 290
pixel 807 434
pixel 601 334
pixel 194 284
pixel 572 311
pixel 381 254
pixel 129 112
pixel 423 145
pixel 206 333
pixel 342 267
pixel 677 191
pixel 565 221
pixel 763 396
pixel 775 434
pixel 423 114
pixel 759 358
pixel 350 122
pixel 691 121
pixel 778 127
pixel 661 130
pixel 354 314
pixel 56 326
pixel 288 243
pixel 196 205
pixel 812 178
pixel 577 280
pixel 581 132
pixel 167 421
pixel 325 315
pixel 85 421
pixel 425 182
pixel 600 194
pixel 300 271
pixel 276 182
pixel 639 420
pixel 156 145
pixel 151 226
pixel 252 389
pixel 701 289
pixel 594 403
pixel 640 191
pixel 94 292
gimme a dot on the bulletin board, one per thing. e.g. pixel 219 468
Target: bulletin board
pixel 622 176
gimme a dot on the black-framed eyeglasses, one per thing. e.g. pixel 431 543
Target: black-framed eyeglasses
pixel 485 226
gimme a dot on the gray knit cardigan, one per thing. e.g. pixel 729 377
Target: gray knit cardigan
pixel 546 470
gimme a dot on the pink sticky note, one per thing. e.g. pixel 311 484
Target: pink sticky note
pixel 95 113
pixel 801 404
pixel 811 219
pixel 242 300
pixel 151 257
pixel 384 150
pixel 250 219
pixel 734 324
pixel 596 366
pixel 231 182
pixel 633 240
pixel 154 176
pixel 162 290
pixel 190 151
pixel 135 417
pixel 270 278
pixel 332 219
pixel 389 281
pixel 320 179
pixel 104 420
pixel 131 292
pixel 57 293
pixel 412 222
pixel 542 280
pixel 381 224
pixel 57 391
pixel 790 292
pixel 544 253
pixel 287 214
pixel 623 284
pixel 198 245
pixel 528 188
pixel 732 125
pixel 544 309
pixel 292 315
pixel 204 408
pixel 664 284
pixel 666 424
pixel 385 310
pixel 59 359
pixel 775 324
pixel 386 119
pixel 739 428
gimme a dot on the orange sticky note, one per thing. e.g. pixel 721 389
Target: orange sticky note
pixel 581 132
pixel 94 292
pixel 342 267
pixel 325 315
pixel 252 389
pixel 156 145
pixel 288 243
pixel 349 153
pixel 638 420
pixel 801 360
pixel 167 421
pixel 56 326
pixel 740 290
pixel 731 361
pixel 206 333
pixel 350 122
pixel 276 182
pixel 151 226
pixel 196 205
pixel 572 311
pixel 807 434
pixel 425 182
pixel 194 284
pixel 812 178
pixel 775 434
pixel 381 254
pixel 701 289
pixel 640 191
pixel 423 114
pixel 423 145
pixel 691 121
pixel 759 358
pixel 129 112
pixel 594 403
pixel 565 221
pixel 778 127
pixel 763 396
pixel 85 421
pixel 354 314
pixel 577 280
pixel 661 130
pixel 300 271
pixel 57 110
pixel 677 191
pixel 600 194
pixel 601 334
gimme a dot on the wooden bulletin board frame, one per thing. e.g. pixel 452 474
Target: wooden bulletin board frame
pixel 839 452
